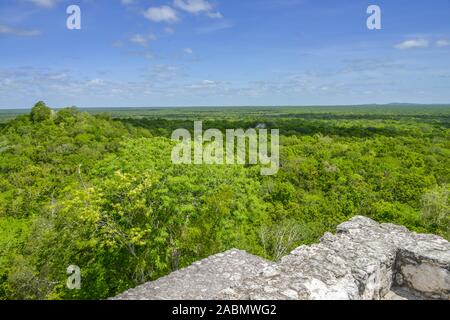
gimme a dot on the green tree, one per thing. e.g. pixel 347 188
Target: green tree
pixel 436 209
pixel 40 112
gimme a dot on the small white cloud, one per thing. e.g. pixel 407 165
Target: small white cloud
pixel 44 3
pixel 209 82
pixel 204 84
pixel 169 30
pixel 197 7
pixel 222 25
pixel 19 32
pixel 215 15
pixel 144 54
pixel 161 14
pixel 165 73
pixel 142 40
pixel 193 6
pixel 442 43
pixel 188 51
pixel 57 76
pixel 148 55
pixel 96 82
pixel 117 44
pixel 412 44
pixel 127 2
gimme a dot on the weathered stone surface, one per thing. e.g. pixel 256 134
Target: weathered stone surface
pixel 203 280
pixel 364 260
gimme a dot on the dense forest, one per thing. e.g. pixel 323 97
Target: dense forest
pixel 99 190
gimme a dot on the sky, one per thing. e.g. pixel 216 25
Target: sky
pixel 155 53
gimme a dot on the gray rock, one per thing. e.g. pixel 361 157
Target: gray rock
pixel 363 260
pixel 203 280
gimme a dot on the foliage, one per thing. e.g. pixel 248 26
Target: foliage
pixel 40 112
pixel 436 209
pixel 102 193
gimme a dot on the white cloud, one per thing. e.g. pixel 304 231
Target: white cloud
pixel 164 73
pixel 44 3
pixel 215 15
pixel 412 44
pixel 127 2
pixel 117 44
pixel 442 43
pixel 222 25
pixel 188 51
pixel 193 6
pixel 169 30
pixel 19 32
pixel 144 54
pixel 142 40
pixel 197 7
pixel 96 82
pixel 161 14
pixel 209 83
pixel 204 84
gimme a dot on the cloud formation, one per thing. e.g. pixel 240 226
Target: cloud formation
pixel 197 7
pixel 18 32
pixel 442 43
pixel 44 3
pixel 413 44
pixel 143 40
pixel 168 14
pixel 161 14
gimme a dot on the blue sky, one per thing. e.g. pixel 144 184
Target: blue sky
pixel 144 53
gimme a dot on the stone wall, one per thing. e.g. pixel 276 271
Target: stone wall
pixel 363 260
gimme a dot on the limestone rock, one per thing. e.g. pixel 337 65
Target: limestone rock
pixel 203 280
pixel 364 260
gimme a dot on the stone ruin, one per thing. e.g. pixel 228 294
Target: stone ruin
pixel 363 260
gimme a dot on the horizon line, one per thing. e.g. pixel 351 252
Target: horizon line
pixel 399 104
